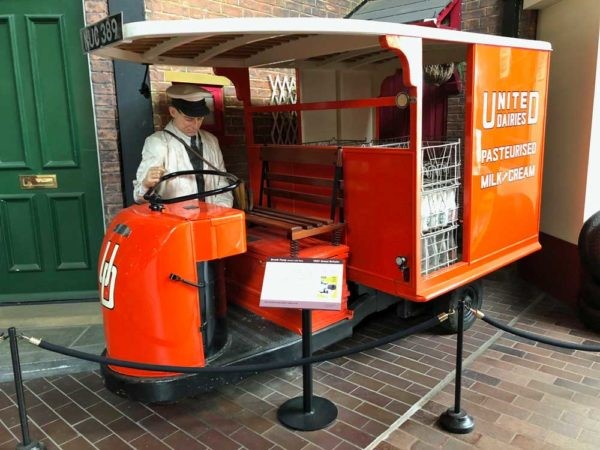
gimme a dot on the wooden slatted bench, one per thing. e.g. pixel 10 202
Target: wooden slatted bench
pixel 282 183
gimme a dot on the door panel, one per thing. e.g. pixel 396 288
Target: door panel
pixel 50 235
pixel 68 224
pixel 11 113
pixel 20 233
pixel 51 89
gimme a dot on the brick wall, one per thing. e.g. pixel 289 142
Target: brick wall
pixel 483 16
pixel 203 9
pixel 105 109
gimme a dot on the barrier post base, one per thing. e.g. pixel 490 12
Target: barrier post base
pixel 457 423
pixel 34 445
pixel 293 415
pixel 308 412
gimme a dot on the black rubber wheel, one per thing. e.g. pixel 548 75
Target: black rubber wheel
pixel 589 316
pixel 590 294
pixel 472 294
pixel 589 246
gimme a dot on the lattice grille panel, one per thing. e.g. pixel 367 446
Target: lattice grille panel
pixel 285 124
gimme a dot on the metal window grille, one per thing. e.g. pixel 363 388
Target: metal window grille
pixel 285 124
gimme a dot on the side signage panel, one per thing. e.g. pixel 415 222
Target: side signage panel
pixel 509 91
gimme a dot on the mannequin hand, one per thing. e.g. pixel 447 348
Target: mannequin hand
pixel 152 176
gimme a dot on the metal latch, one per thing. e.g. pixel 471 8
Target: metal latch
pixel 402 263
pixel 176 277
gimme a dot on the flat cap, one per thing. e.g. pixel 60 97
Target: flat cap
pixel 190 99
pixel 189 92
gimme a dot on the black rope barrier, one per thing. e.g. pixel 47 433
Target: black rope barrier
pixel 533 336
pixel 430 323
pixel 454 419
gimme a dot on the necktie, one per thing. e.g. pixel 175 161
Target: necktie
pixel 197 162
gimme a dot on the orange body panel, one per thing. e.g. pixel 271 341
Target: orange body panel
pixel 245 277
pixel 147 316
pixel 379 199
pixel 506 140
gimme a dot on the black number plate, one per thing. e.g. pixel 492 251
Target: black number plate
pixel 102 33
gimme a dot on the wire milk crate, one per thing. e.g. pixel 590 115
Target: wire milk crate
pixel 439 249
pixel 397 142
pixel 337 142
pixel 439 208
pixel 441 164
pixel 440 204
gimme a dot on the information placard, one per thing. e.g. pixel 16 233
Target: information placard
pixel 303 283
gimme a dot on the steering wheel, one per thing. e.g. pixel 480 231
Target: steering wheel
pixel 157 202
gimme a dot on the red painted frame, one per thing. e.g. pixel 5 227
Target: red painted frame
pixel 217 127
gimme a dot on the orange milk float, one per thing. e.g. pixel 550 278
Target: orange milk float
pixel 357 176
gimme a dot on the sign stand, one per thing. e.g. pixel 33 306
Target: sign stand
pixel 308 412
pixel 304 284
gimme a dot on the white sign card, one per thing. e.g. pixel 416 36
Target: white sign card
pixel 303 283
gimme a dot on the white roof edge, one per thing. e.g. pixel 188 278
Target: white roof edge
pixel 313 25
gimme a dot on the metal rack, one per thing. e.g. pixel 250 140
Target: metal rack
pixel 440 204
pixel 441 198
pixel 337 142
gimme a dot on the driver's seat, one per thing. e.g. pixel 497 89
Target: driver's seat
pixel 300 192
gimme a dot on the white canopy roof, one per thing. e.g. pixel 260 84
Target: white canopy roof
pixel 288 42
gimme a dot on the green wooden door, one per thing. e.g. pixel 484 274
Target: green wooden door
pixel 49 236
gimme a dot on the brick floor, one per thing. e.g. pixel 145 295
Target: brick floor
pixel 520 394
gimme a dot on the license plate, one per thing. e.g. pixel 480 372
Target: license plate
pixel 102 33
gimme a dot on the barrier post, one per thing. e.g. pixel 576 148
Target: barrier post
pixel 455 420
pixel 307 413
pixel 27 443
